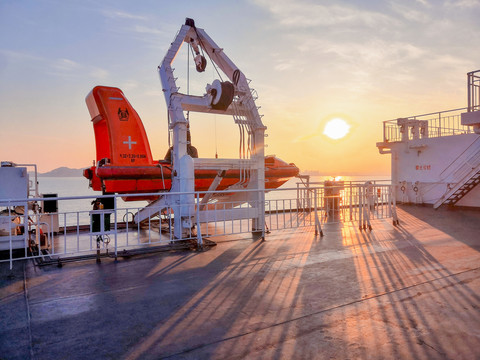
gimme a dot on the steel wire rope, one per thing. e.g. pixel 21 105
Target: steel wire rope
pixel 215 128
pixel 236 113
pixel 245 139
pixel 201 48
pixel 248 154
pixel 240 151
pixel 243 154
pixel 215 119
pixel 188 81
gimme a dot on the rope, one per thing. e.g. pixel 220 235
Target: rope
pixel 216 149
pixel 188 78
pixel 163 180
pixel 201 48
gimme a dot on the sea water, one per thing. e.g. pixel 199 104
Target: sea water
pixel 78 187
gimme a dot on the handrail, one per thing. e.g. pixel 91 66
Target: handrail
pixel 445 123
pixel 283 210
pixel 462 162
pixel 473 91
pixel 432 113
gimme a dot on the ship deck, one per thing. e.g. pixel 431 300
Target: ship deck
pixel 410 292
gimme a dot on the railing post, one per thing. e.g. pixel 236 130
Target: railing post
pixel 199 230
pixel 101 233
pixel 440 125
pixel 10 234
pixel 351 201
pixel 469 88
pixel 360 207
pixel 262 208
pixel 389 200
pixel 115 218
pixel 318 226
pixel 298 195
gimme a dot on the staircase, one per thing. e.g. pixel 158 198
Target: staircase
pixel 469 177
pixel 461 189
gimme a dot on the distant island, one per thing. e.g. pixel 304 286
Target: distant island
pixel 62 172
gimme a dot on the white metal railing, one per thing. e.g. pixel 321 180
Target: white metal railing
pixel 473 80
pixel 109 231
pixel 462 170
pixel 357 201
pixel 463 164
pixel 443 123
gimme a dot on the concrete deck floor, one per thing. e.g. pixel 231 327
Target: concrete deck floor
pixel 411 292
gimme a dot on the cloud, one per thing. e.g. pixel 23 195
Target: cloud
pixel 284 65
pixel 300 14
pixel 135 27
pixel 463 3
pixel 147 30
pixel 98 73
pixel 67 68
pixel 122 15
pixel 424 3
pixel 19 56
pixel 157 93
pixel 129 85
pixel 378 52
pixel 65 65
pixel 411 13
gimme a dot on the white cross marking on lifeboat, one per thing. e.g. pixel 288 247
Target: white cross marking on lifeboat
pixel 130 143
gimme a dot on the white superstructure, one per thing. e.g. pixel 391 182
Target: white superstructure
pixel 436 157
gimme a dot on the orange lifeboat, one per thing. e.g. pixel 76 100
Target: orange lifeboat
pixel 124 160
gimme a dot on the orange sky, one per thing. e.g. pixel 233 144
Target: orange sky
pixel 309 62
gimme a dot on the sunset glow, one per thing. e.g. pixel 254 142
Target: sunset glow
pixel 336 128
pixel 374 61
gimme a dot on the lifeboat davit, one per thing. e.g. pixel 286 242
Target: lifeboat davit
pixel 124 160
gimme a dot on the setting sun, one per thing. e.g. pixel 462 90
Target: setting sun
pixel 336 128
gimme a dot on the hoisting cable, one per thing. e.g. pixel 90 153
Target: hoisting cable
pixel 215 118
pixel 240 150
pixel 163 180
pixel 216 148
pixel 236 77
pixel 248 154
pixel 168 129
pixel 244 155
pixel 188 79
pixel 249 143
pixel 201 48
pixel 240 180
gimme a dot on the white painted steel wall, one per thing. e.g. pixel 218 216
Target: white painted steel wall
pixel 430 165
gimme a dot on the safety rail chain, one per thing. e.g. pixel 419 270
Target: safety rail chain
pixel 442 123
pixel 110 232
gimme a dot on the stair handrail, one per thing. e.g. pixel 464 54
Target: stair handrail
pixel 462 163
pixel 467 168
